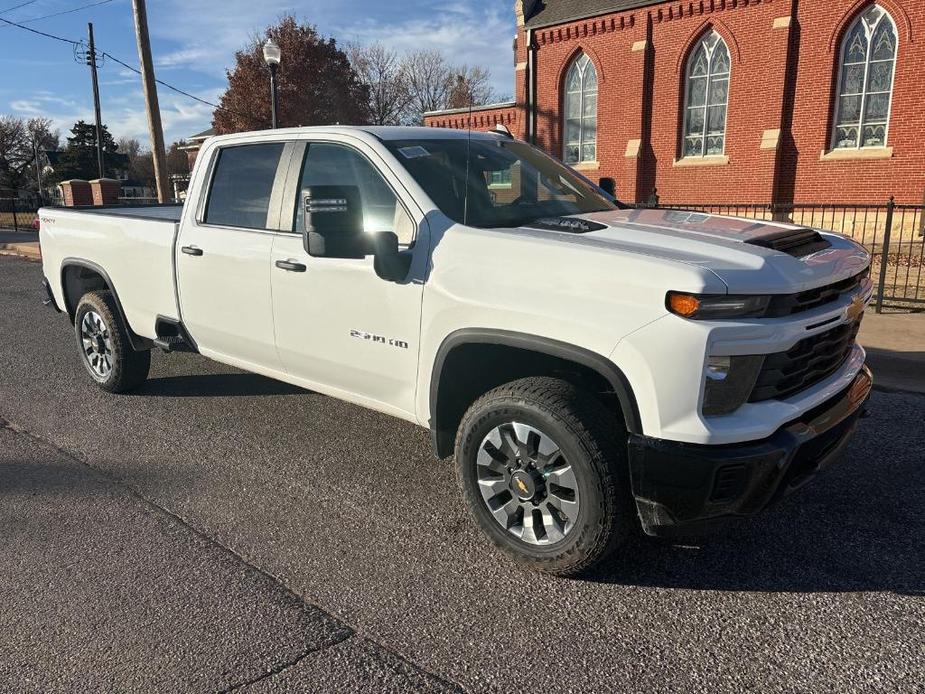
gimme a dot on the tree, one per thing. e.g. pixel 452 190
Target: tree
pixel 429 80
pixel 17 154
pixel 471 87
pixel 317 85
pixel 383 73
pixel 434 84
pixel 79 160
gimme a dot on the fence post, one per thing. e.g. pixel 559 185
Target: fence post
pixel 885 253
pixel 15 221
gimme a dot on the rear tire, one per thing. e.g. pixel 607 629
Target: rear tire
pixel 543 468
pixel 104 346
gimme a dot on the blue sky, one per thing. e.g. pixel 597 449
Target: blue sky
pixel 193 42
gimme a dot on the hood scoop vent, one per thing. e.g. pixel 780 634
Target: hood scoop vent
pixel 797 243
pixel 573 225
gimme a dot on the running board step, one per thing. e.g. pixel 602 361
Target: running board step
pixel 171 343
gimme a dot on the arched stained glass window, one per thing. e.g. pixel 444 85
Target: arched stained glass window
pixel 580 141
pixel 706 97
pixel 865 81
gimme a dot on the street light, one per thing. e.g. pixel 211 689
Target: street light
pixel 271 56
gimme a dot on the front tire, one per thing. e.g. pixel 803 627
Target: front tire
pixel 542 466
pixel 104 346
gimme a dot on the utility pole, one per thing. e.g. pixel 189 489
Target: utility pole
pixel 91 61
pixel 38 170
pixel 150 88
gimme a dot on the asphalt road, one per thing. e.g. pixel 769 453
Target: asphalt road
pixel 219 530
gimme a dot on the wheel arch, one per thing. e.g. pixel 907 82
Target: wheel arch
pixel 531 354
pixel 79 276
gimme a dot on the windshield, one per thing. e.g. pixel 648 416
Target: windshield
pixel 510 183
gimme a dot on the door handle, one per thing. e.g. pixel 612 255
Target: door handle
pixel 290 265
pixel 192 250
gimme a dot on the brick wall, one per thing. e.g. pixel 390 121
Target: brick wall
pixel 784 57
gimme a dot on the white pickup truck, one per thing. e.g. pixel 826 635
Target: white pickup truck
pixel 595 369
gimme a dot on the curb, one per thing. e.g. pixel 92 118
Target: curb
pixel 29 251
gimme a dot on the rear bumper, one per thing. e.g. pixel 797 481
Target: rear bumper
pixel 684 486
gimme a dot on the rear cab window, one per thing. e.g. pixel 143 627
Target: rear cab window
pixel 242 184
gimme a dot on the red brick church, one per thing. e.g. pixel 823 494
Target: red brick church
pixel 723 101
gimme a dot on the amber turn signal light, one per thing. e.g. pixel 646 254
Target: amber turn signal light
pixel 683 304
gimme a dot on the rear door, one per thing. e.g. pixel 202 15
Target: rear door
pixel 223 258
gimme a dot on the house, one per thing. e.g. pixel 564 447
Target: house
pixel 193 145
pixel 723 101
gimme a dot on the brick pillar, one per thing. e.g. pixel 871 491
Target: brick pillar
pixel 776 146
pixel 76 193
pixel 106 191
pixel 636 182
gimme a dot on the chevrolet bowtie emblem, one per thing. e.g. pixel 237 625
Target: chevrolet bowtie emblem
pixel 521 486
pixel 856 307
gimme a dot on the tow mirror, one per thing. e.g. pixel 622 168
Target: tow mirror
pixel 608 185
pixel 334 229
pixel 389 262
pixel 334 222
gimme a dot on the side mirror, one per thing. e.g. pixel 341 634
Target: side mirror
pixel 334 222
pixel 608 185
pixel 389 263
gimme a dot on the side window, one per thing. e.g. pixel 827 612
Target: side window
pixel 338 165
pixel 241 185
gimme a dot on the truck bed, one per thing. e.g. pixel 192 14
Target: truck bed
pixel 132 246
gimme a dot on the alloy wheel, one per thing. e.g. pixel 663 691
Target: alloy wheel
pixel 96 343
pixel 527 484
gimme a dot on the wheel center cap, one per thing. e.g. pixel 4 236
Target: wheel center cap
pixel 523 485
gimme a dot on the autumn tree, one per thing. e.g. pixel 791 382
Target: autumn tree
pixel 317 85
pixel 17 153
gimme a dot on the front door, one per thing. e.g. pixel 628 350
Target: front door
pixel 223 261
pixel 339 327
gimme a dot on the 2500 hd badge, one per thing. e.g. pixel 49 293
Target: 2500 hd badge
pixel 391 341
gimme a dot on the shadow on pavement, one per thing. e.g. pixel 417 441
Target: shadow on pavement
pixel 217 385
pixel 859 526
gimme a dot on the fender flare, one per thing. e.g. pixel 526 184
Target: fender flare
pixel 542 345
pixel 138 343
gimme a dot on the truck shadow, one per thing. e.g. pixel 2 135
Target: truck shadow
pixel 216 385
pixel 857 527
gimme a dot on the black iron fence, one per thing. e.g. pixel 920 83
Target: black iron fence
pixel 893 233
pixel 18 214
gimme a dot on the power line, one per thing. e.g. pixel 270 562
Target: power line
pixel 36 31
pixel 16 7
pixel 56 14
pixel 19 25
pixel 169 86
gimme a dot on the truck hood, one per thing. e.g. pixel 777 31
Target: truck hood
pixel 748 255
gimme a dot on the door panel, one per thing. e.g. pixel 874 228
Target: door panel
pixel 339 326
pixel 223 260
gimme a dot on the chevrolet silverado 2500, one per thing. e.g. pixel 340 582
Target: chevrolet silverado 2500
pixel 595 369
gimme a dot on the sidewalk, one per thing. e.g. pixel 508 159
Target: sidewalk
pixel 21 243
pixel 895 344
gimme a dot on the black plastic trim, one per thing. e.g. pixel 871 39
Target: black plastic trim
pixel 50 301
pixel 139 344
pixel 534 343
pixel 191 345
pixel 683 487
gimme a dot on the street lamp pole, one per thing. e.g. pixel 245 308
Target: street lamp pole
pixel 271 56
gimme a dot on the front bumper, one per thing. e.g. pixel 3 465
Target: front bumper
pixel 685 486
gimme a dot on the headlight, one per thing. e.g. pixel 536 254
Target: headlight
pixel 728 381
pixel 712 306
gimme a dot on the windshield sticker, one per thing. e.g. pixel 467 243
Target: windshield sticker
pixel 413 152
